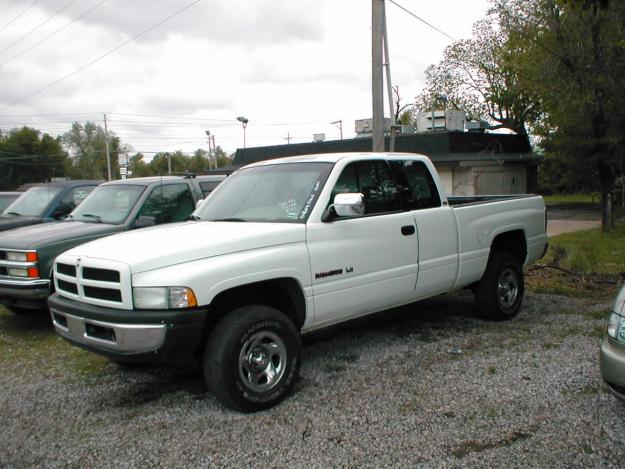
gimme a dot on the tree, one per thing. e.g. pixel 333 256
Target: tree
pixel 27 155
pixel 478 76
pixel 575 65
pixel 222 158
pixel 87 145
pixel 138 167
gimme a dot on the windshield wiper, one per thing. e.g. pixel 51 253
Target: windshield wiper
pixel 229 219
pixel 13 213
pixel 193 218
pixel 91 215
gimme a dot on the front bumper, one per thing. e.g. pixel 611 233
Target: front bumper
pixel 612 364
pixel 141 336
pixel 28 294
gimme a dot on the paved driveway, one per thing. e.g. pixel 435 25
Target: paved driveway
pixel 562 220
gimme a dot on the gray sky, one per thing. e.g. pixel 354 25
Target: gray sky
pixel 290 67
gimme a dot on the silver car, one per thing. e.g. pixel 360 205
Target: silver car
pixel 612 356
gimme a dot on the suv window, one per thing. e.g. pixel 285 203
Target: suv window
pixel 374 180
pixel 73 198
pixel 208 187
pixel 168 203
pixel 416 184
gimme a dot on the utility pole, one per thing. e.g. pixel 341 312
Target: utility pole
pixel 211 149
pixel 106 144
pixel 288 138
pixel 377 76
pixel 339 124
pixel 389 87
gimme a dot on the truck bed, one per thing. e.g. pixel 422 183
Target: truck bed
pixel 464 200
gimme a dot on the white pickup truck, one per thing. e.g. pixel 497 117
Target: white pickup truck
pixel 285 247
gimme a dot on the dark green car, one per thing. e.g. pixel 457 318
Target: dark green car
pixel 27 254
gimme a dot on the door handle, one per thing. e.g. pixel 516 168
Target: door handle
pixel 408 230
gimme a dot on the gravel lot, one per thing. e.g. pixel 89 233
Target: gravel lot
pixel 427 385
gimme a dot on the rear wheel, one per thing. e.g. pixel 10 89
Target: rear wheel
pixel 499 294
pixel 252 358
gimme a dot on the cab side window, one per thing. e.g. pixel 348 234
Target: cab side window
pixel 417 187
pixel 374 180
pixel 168 203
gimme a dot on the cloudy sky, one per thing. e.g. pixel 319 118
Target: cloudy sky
pixel 166 71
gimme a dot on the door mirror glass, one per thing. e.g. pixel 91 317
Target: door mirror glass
pixel 349 205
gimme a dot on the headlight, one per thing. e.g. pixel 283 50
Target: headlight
pixel 163 297
pixel 15 256
pixel 616 327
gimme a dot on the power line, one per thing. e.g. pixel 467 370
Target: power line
pixel 53 34
pixel 80 69
pixel 18 16
pixel 422 20
pixel 67 5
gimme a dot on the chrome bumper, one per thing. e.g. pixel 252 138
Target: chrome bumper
pixel 124 338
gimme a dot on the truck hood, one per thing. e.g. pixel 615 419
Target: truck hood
pixel 45 234
pixel 165 245
pixel 8 222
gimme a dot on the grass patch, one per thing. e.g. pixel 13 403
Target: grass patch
pixel 468 447
pixel 589 251
pixel 550 346
pixel 591 199
pixel 581 264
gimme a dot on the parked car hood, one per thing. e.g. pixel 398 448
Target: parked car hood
pixel 152 248
pixel 45 234
pixel 8 222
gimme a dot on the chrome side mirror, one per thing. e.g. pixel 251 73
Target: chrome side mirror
pixel 349 205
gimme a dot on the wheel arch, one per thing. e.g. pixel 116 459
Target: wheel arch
pixel 284 294
pixel 512 242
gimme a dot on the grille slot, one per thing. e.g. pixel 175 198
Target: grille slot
pixel 3 255
pixel 67 286
pixel 4 271
pixel 107 294
pixel 66 269
pixel 102 275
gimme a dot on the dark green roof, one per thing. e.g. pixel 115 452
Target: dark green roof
pixel 439 146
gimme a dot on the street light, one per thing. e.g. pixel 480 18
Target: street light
pixel 243 121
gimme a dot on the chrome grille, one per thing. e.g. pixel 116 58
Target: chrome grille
pixel 95 281
pixel 103 275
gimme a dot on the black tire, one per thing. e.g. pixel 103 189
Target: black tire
pixel 252 358
pixel 499 294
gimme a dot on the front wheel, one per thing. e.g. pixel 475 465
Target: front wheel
pixel 499 294
pixel 252 358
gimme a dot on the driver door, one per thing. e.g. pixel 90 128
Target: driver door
pixel 363 264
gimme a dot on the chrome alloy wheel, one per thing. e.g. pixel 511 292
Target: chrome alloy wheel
pixel 507 287
pixel 262 361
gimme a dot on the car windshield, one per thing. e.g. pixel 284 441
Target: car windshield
pixel 34 201
pixel 108 204
pixel 6 199
pixel 280 193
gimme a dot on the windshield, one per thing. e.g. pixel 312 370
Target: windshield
pixel 34 201
pixel 280 193
pixel 108 204
pixel 6 199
